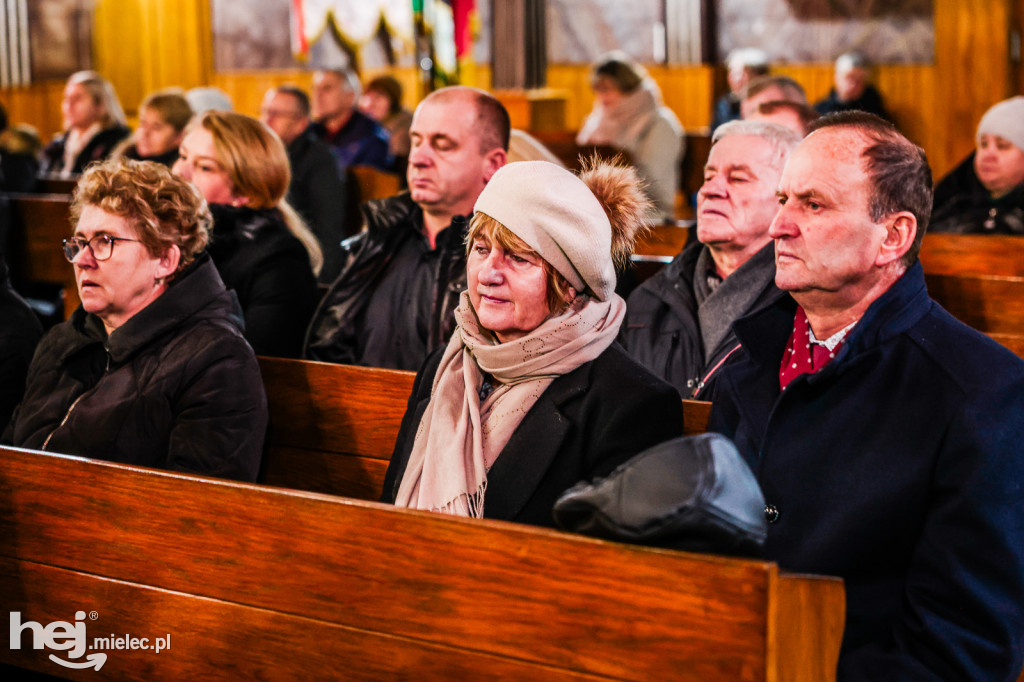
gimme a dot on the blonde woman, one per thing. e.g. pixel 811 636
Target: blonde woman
pixel 260 245
pixel 94 124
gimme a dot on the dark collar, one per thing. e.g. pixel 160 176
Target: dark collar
pixel 193 289
pixel 765 332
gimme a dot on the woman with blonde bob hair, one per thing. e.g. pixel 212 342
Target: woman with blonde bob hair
pixel 94 124
pixel 260 245
pixel 532 393
pixel 152 369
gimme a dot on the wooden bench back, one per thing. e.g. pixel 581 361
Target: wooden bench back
pixel 55 185
pixel 374 183
pixel 251 582
pixel 333 427
pixel 973 254
pixel 562 143
pixel 691 176
pixel 40 222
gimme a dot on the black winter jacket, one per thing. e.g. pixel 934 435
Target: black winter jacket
pixel 175 387
pixel 319 194
pixel 333 336
pixel 269 270
pixel 98 149
pixel 662 330
pixel 963 205
pixel 19 333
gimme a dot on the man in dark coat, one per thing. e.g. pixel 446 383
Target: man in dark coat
pixel 678 324
pixel 885 434
pixel 354 138
pixel 853 90
pixel 19 333
pixel 394 300
pixel 317 190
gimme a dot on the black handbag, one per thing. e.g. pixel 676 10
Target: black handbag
pixel 693 493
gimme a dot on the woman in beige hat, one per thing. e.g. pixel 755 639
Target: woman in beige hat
pixel 532 394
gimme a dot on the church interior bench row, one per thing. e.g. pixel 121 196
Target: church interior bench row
pixel 333 427
pixel 255 582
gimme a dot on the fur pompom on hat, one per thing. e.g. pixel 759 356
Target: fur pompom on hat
pixel 581 225
pixel 1005 119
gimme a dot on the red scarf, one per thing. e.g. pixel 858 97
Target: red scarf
pixel 802 356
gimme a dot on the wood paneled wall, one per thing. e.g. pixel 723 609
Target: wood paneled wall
pixel 145 46
pixel 142 46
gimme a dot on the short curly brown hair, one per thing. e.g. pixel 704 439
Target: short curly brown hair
pixel 163 209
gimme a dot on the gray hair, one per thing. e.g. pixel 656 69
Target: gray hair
pixel 782 139
pixel 349 80
pixel 848 61
pixel 748 58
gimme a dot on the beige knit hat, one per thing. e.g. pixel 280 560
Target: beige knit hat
pixel 557 216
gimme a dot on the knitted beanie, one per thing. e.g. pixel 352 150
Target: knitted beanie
pixel 1005 119
pixel 557 216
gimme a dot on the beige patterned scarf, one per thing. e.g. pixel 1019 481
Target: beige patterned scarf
pixel 460 437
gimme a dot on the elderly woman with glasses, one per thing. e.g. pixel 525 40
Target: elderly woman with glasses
pixel 152 369
pixel 532 393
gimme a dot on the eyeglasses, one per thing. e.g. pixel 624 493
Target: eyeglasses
pixel 102 246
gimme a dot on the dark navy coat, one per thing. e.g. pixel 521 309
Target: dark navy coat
pixel 899 467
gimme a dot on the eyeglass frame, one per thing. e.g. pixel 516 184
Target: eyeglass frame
pixel 87 243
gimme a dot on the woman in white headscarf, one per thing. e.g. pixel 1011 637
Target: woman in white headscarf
pixel 628 113
pixel 532 394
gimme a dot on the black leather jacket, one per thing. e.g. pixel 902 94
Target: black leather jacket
pixel 332 335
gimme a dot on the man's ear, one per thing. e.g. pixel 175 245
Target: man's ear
pixel 570 294
pixel 493 160
pixel 168 264
pixel 900 231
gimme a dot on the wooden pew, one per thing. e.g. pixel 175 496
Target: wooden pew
pixel 251 582
pixel 562 144
pixel 980 280
pixel 665 240
pixel 40 223
pixel 333 427
pixel 973 254
pixel 56 185
pixel 374 183
pixel 691 174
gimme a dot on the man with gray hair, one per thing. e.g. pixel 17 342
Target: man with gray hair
pixel 853 90
pixel 355 138
pixel 678 322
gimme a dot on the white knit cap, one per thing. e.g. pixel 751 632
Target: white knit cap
pixel 1005 119
pixel 557 216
